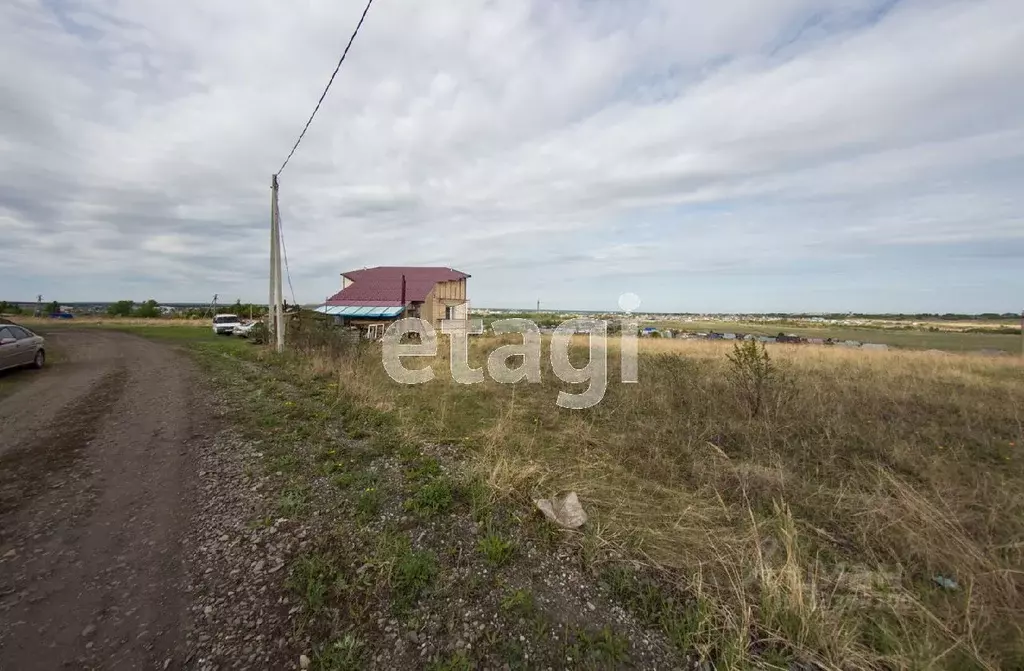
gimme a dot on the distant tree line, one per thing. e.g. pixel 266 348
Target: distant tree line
pixel 53 307
pixel 151 310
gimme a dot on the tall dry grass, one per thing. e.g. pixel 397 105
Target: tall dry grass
pixel 822 525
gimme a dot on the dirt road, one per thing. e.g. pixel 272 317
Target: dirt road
pixel 95 489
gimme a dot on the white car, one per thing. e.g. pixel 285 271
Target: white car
pixel 225 324
pixel 243 330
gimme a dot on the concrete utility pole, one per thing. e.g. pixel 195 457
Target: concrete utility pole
pixel 276 290
pixel 39 305
pixel 273 263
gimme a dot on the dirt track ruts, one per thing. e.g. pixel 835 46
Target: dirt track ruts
pixel 95 482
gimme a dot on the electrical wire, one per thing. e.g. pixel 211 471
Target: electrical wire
pixel 327 88
pixel 287 271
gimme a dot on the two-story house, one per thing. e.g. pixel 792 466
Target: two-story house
pixel 372 298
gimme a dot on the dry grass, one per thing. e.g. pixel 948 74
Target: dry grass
pixel 816 528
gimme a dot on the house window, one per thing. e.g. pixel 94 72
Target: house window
pixel 375 331
pixel 449 312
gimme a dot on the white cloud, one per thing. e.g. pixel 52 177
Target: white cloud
pixel 523 142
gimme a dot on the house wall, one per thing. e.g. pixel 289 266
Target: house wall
pixel 427 310
pixel 442 295
pixel 451 291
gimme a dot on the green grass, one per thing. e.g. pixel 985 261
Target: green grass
pixel 199 337
pixel 519 602
pixel 496 549
pixel 413 574
pixel 603 649
pixel 344 654
pixel 368 504
pixel 314 578
pixel 431 499
pixel 292 501
pixel 457 661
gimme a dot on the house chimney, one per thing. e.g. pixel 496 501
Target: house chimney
pixel 403 291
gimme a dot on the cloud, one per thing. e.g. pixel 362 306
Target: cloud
pixel 562 151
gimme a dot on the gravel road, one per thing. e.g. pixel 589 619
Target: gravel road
pixel 97 461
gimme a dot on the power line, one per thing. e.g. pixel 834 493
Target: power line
pixel 284 248
pixel 327 88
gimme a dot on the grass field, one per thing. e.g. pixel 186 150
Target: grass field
pixel 951 340
pixel 868 514
pixel 871 515
pixel 111 322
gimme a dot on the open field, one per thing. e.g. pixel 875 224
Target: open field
pixel 951 336
pixel 831 527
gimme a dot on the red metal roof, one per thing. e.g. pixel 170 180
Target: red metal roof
pixel 382 286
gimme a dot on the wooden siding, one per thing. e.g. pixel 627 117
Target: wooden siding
pixel 443 294
pixel 427 309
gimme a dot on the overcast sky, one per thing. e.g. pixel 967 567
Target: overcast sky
pixel 754 155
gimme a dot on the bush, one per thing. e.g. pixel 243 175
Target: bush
pixel 148 310
pixel 121 309
pixel 752 373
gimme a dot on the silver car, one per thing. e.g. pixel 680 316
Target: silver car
pixel 20 347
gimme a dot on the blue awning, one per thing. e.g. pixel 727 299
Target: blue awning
pixel 361 311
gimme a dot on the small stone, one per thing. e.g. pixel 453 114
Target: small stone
pixel 208 610
pixel 303 661
pixel 225 538
pixel 88 631
pixel 10 554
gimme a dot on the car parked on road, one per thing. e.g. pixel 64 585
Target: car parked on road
pixel 225 324
pixel 20 347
